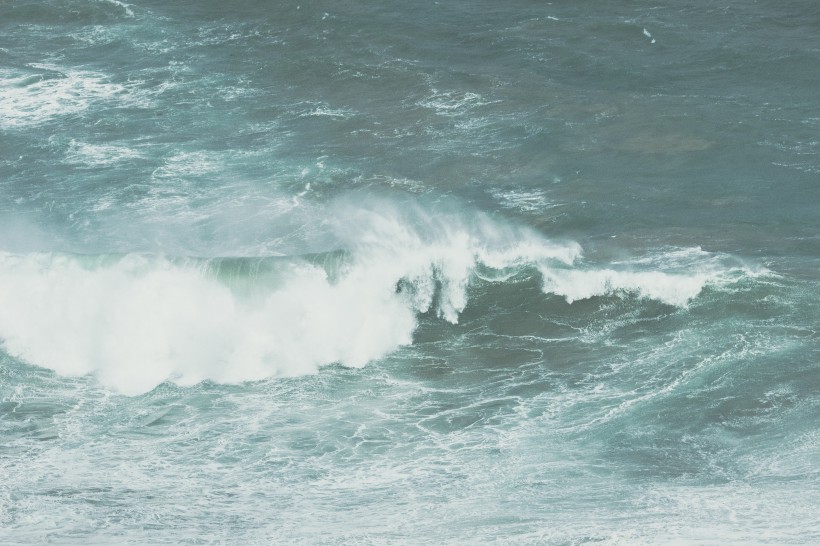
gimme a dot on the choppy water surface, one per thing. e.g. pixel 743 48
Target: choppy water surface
pixel 387 272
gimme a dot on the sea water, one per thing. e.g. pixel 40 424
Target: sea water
pixel 377 272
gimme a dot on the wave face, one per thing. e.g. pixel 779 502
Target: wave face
pixel 397 272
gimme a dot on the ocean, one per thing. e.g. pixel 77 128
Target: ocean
pixel 435 272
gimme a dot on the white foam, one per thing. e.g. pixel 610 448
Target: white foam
pixel 48 92
pixel 125 7
pixel 99 155
pixel 139 321
pixel 189 164
pixel 578 284
pixel 453 104
pixel 530 200
pixel 96 35
pixel 34 98
pixel 320 109
pixel 674 276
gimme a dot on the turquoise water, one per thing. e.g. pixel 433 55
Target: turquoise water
pixel 439 272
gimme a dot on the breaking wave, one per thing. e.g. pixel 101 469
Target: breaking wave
pixel 135 320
